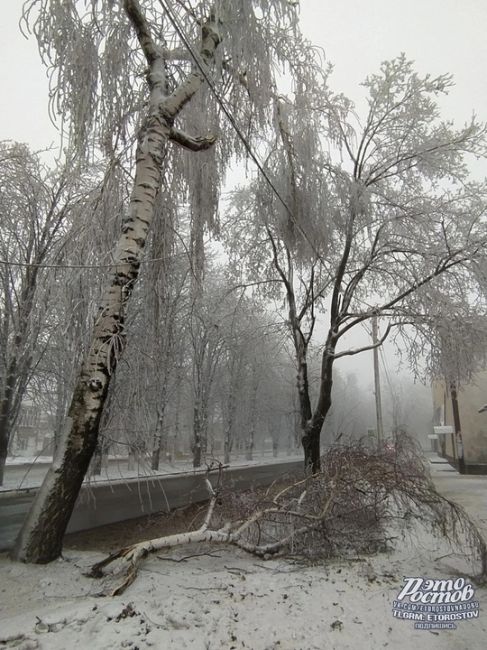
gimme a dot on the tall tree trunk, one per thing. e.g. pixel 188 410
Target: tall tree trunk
pixel 312 432
pixel 160 438
pixel 163 319
pixel 231 411
pixel 229 429
pixel 133 460
pixel 275 432
pixel 200 427
pixel 40 539
pixel 197 251
pixel 227 449
pixel 310 437
pixel 4 440
pixel 250 442
pixel 457 437
pixel 203 369
pixel 177 405
pixel 6 417
pixel 294 429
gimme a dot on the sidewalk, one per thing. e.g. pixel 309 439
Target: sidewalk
pixel 468 490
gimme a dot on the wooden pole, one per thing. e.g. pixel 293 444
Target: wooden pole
pixel 457 441
pixel 378 401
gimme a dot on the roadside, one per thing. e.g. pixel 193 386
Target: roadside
pixel 468 490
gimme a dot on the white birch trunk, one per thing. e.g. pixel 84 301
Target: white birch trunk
pixel 40 539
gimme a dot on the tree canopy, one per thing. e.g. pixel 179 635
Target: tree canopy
pixel 220 299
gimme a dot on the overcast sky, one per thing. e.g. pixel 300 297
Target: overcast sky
pixel 442 36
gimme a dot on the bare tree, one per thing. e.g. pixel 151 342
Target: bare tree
pixel 397 210
pixel 36 205
pixel 207 349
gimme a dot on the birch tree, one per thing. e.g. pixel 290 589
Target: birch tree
pixel 97 90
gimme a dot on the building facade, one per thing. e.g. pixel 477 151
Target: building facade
pixel 473 425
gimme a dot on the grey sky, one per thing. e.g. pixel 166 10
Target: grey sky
pixel 23 100
pixel 440 35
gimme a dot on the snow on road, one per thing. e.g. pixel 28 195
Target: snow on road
pixel 30 472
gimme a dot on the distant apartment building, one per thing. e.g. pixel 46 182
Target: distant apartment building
pixel 34 432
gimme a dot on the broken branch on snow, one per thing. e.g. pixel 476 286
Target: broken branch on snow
pixel 347 508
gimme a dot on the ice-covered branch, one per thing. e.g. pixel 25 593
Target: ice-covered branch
pixel 354 351
pixel 142 30
pixel 193 143
pixel 348 504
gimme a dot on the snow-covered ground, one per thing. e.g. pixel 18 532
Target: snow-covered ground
pixel 228 600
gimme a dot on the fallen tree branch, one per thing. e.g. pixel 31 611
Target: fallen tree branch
pixel 233 533
pixel 345 508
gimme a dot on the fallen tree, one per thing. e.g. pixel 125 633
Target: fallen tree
pixel 355 504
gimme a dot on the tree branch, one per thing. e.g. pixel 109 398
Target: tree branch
pixel 193 143
pixel 142 30
pixel 352 352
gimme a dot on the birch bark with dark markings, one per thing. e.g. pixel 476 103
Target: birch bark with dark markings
pixel 40 539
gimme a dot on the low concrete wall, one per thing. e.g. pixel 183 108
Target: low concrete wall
pixel 108 502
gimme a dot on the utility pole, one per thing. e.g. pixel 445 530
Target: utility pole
pixel 457 438
pixel 378 402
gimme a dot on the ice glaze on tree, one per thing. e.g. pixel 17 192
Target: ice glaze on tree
pixel 102 103
pixel 40 539
pixel 35 205
pixel 374 230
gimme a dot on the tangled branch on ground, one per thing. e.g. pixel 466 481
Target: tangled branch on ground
pixel 349 507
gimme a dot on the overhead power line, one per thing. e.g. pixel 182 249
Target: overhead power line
pixel 202 68
pixel 76 266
